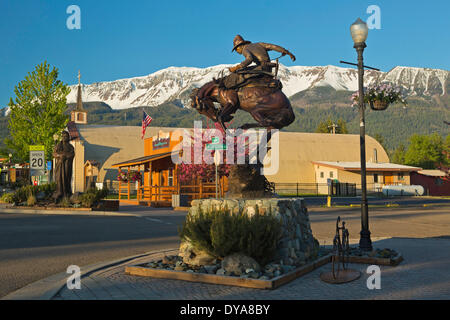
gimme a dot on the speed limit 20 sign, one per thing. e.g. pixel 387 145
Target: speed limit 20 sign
pixel 37 157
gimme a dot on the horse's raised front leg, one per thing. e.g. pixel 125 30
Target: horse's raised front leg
pixel 230 103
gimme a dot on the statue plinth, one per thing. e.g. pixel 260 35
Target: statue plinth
pixel 246 182
pixel 296 246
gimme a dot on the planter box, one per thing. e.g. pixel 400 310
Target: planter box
pixel 142 270
pixel 378 261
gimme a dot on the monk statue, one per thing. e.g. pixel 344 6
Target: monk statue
pixel 63 154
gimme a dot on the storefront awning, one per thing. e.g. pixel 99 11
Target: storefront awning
pixel 142 160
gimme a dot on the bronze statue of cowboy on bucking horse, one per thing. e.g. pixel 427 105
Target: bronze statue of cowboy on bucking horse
pixel 252 88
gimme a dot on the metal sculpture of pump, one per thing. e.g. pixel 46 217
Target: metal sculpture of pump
pixel 341 249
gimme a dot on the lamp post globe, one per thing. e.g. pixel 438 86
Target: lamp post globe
pixel 359 31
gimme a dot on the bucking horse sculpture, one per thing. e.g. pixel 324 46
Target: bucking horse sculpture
pixel 252 88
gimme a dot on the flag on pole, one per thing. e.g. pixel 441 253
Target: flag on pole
pixel 146 119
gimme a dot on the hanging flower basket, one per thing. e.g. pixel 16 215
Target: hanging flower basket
pixel 123 177
pixel 378 105
pixel 379 96
pixel 135 176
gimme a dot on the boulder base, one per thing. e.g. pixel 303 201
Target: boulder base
pixel 238 263
pixel 296 245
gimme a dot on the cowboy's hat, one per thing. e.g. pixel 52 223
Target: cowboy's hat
pixel 239 41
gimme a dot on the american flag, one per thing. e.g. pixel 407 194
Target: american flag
pixel 146 119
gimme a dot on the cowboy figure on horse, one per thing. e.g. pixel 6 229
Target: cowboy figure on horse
pixel 253 52
pixel 252 88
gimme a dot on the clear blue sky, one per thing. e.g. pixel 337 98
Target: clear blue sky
pixel 120 39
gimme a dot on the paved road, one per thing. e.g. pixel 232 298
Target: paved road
pixel 320 201
pixel 407 222
pixel 33 247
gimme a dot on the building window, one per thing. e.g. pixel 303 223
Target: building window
pixel 331 174
pixel 80 117
pixel 321 175
pixel 401 176
pixel 375 177
pixel 170 177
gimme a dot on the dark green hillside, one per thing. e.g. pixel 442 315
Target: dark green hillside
pixel 424 115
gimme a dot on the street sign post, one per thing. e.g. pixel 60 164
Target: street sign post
pixel 216 162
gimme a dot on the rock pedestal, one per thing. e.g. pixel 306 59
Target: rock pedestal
pixel 297 244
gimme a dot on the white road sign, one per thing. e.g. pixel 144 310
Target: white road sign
pixel 37 158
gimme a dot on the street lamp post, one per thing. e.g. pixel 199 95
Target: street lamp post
pixel 359 31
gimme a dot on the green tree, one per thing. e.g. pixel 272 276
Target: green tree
pixel 425 151
pixel 327 126
pixel 37 112
pixel 446 150
pixel 399 154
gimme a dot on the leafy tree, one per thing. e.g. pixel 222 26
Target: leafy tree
pixel 37 112
pixel 399 154
pixel 446 150
pixel 425 151
pixel 327 126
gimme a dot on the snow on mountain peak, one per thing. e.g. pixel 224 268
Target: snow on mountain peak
pixel 176 83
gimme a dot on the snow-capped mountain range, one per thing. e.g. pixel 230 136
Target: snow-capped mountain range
pixel 176 83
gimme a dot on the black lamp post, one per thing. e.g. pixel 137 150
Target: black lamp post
pixel 359 31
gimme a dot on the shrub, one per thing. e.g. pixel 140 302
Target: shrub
pixel 92 196
pixel 22 194
pixel 88 199
pixel 65 202
pixel 197 230
pixel 31 201
pixel 221 233
pixel 48 189
pixel 8 197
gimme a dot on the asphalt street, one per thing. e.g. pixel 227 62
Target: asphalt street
pixel 33 247
pixel 320 201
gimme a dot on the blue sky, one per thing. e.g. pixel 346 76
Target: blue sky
pixel 120 39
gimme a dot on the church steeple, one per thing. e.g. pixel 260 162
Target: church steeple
pixel 79 115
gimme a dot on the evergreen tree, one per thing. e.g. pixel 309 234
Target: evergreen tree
pixel 37 112
pixel 425 151
pixel 327 126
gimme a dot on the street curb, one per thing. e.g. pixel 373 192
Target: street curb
pixel 47 288
pixel 65 212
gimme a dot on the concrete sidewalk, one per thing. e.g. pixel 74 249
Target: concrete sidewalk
pixel 422 275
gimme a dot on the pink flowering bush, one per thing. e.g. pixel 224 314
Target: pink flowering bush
pixel 384 92
pixel 190 171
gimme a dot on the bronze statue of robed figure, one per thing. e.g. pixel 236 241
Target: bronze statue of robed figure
pixel 63 153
